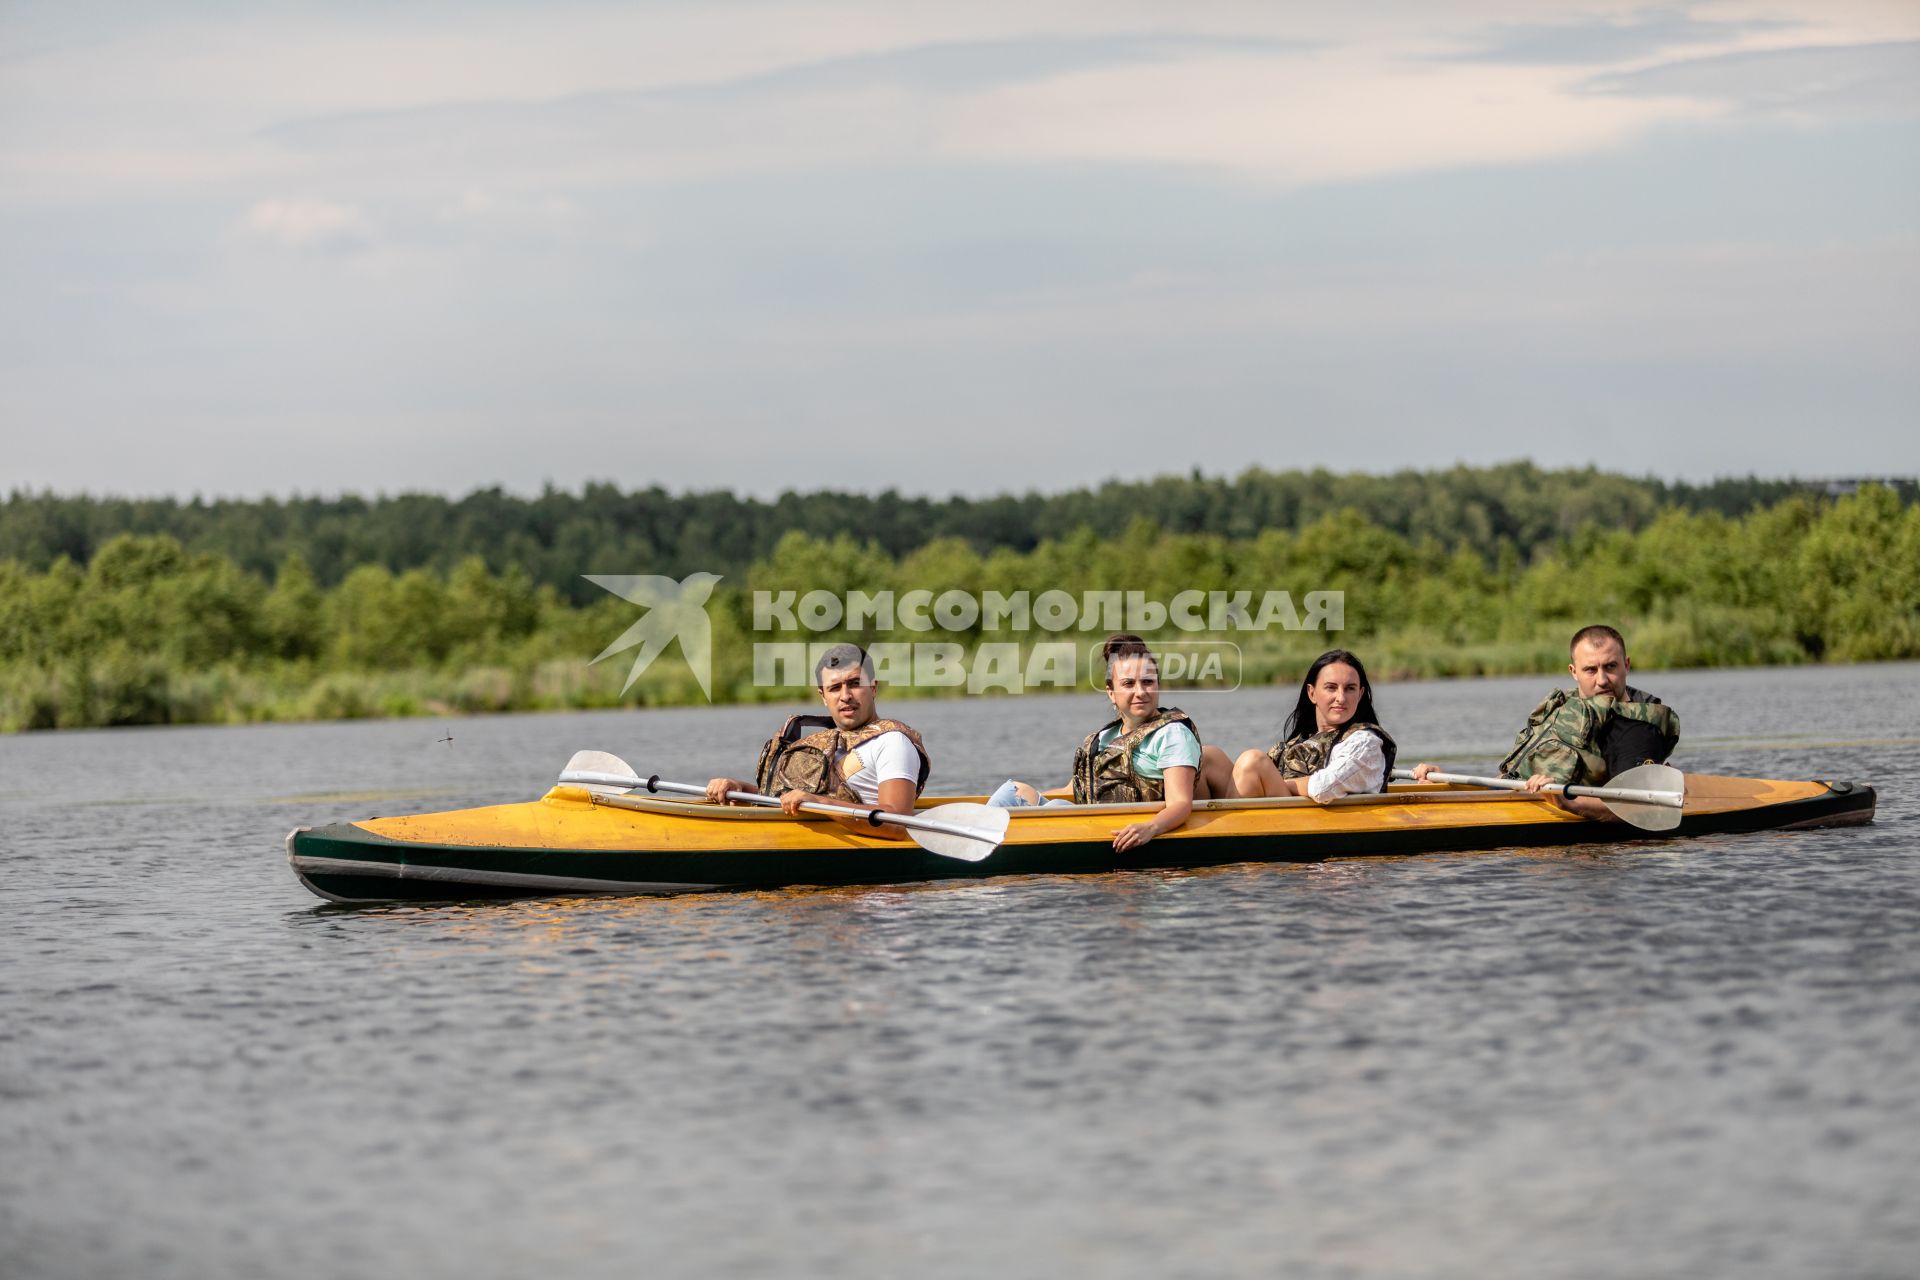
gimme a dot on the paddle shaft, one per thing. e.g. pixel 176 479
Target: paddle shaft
pixel 875 815
pixel 1667 798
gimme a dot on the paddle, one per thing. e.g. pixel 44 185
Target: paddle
pixel 968 832
pixel 1648 796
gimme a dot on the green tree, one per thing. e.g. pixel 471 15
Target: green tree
pixel 293 616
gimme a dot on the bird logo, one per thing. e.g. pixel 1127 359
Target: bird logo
pixel 675 611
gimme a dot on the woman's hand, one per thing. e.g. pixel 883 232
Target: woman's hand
pixel 1178 784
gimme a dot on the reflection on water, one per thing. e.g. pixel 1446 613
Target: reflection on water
pixel 1613 1059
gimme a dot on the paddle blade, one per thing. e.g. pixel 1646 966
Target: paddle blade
pixel 601 762
pixel 981 828
pixel 1652 777
pixel 1648 777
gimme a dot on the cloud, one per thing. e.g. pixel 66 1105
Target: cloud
pixel 1880 77
pixel 830 103
pixel 1001 221
pixel 615 96
pixel 1334 117
pixel 975 65
pixel 1597 41
pixel 308 224
pixel 1274 111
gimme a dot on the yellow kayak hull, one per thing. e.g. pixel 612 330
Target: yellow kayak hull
pixel 571 841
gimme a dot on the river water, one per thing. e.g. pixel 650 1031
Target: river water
pixel 1690 1059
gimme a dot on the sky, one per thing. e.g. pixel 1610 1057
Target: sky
pixel 993 247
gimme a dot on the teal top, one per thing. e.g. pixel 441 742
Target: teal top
pixel 1168 747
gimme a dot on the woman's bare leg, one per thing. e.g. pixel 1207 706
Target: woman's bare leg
pixel 1254 776
pixel 1214 780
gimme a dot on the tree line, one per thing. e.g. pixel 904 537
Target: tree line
pixel 558 536
pixel 151 630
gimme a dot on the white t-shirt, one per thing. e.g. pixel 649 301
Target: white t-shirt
pixel 1356 765
pixel 889 756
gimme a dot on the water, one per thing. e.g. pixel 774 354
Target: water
pixel 1695 1059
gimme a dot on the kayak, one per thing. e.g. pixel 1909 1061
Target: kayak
pixel 576 840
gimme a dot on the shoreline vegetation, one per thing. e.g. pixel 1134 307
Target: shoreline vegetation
pixel 106 619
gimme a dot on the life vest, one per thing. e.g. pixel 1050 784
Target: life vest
pixel 1308 754
pixel 1562 735
pixel 795 759
pixel 1104 775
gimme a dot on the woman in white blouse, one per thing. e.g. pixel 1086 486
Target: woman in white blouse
pixel 1334 745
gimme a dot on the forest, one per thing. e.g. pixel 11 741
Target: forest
pixel 124 612
pixel 558 536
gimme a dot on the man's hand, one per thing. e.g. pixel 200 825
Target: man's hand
pixel 896 796
pixel 1421 770
pixel 1586 806
pixel 790 802
pixel 717 789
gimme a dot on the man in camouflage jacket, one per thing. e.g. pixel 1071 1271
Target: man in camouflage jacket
pixel 1601 729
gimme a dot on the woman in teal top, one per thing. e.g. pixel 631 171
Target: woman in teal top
pixel 1147 754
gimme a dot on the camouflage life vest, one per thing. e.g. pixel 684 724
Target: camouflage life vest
pixel 795 759
pixel 1104 775
pixel 1303 756
pixel 1562 735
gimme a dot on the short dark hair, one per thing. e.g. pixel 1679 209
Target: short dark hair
pixel 1593 635
pixel 841 657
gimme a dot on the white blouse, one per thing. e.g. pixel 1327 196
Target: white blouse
pixel 1358 764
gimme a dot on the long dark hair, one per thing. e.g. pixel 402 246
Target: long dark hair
pixel 1303 709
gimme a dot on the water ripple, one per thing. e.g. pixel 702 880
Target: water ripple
pixel 1617 1059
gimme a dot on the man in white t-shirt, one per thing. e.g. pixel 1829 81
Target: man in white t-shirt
pixel 860 759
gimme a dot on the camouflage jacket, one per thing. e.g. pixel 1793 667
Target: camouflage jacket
pixel 1106 776
pixel 1562 737
pixel 815 762
pixel 1301 757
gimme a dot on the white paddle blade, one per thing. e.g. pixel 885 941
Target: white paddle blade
pixel 601 762
pixel 1649 777
pixel 984 828
pixel 1653 777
